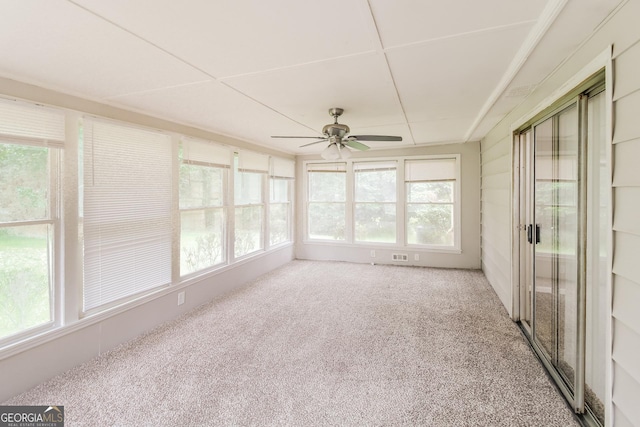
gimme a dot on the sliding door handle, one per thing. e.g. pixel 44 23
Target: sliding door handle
pixel 530 233
pixel 537 233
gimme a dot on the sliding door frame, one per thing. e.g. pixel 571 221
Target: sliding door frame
pixel 585 78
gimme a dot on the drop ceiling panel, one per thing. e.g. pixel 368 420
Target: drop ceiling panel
pixel 251 69
pixel 57 44
pixel 215 107
pixel 244 36
pixel 409 21
pixel 453 77
pixel 359 84
pixel 441 130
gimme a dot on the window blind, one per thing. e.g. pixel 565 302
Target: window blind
pixel 430 170
pixel 374 166
pixel 31 124
pixel 249 161
pixel 327 167
pixel 205 153
pixel 127 211
pixel 282 168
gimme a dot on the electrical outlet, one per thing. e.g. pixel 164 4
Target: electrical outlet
pixel 373 254
pixel 416 257
pixel 180 298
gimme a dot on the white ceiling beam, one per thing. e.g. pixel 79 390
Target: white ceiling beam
pixel 546 19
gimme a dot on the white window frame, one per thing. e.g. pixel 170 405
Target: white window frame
pixel 277 172
pixel 354 203
pixel 456 247
pixel 401 196
pixel 348 208
pixel 66 245
pixel 226 168
pixel 263 171
pixel 55 153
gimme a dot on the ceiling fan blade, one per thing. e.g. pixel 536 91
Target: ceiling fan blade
pixel 314 142
pixel 376 138
pixel 355 144
pixel 297 137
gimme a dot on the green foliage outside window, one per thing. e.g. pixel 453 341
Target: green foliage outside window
pixel 24 250
pixel 430 213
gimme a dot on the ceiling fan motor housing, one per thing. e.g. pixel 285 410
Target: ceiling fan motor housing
pixel 335 129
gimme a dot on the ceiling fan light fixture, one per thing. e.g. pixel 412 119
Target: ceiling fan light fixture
pixel 331 152
pixel 345 153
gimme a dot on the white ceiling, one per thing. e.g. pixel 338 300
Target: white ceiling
pixel 429 71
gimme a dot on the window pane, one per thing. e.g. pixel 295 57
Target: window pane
pixel 327 187
pixel 25 291
pixel 201 239
pixel 201 186
pixel 327 221
pixel 556 203
pixel 248 229
pixel 430 192
pixel 375 222
pixel 429 224
pixel 24 182
pixel 279 190
pixel 375 186
pixel 279 223
pixel 279 216
pixel 248 188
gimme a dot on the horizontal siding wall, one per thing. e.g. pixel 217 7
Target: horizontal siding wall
pixel 626 226
pixel 623 33
pixel 496 215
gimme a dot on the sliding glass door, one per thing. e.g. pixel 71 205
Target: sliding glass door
pixel 564 192
pixel 555 233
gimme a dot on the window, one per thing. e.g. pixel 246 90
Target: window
pixel 375 201
pixel 203 188
pixel 145 210
pixel 431 201
pixel 250 171
pixel 326 209
pixel 126 208
pixel 30 139
pixel 282 174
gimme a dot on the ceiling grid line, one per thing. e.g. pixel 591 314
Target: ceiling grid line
pixel 431 73
pixel 160 48
pixel 380 50
pixel 214 78
pixel 459 35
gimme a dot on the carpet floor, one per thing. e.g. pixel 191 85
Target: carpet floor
pixel 322 343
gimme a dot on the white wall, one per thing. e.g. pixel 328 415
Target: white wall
pixel 361 253
pixel 26 364
pixel 623 32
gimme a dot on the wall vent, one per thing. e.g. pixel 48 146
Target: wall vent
pixel 400 257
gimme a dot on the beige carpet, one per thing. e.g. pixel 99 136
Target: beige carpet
pixel 323 343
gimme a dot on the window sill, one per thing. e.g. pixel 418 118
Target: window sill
pixel 389 246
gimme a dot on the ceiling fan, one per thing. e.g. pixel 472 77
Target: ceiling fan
pixel 339 139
